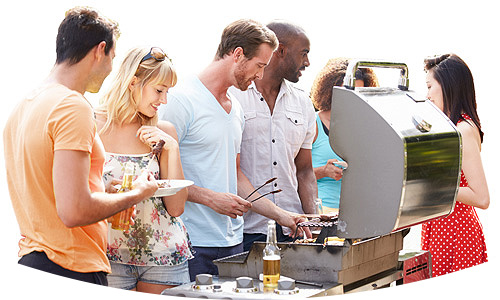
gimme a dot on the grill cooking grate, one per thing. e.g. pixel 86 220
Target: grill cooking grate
pixel 328 227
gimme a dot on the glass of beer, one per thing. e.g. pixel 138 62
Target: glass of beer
pixel 271 258
pixel 121 220
pixel 271 270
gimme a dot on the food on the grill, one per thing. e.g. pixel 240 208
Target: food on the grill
pixel 321 218
pixel 305 241
pixel 325 218
pixel 332 240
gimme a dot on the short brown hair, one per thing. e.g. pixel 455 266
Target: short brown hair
pixel 81 30
pixel 248 35
pixel 332 75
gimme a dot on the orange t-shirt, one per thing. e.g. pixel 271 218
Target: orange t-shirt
pixel 53 118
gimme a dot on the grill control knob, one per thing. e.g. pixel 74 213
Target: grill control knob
pixel 203 282
pixel 286 287
pixel 244 282
pixel 245 285
pixel 203 279
pixel 286 284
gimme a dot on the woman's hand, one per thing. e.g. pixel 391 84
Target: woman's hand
pixel 332 171
pixel 151 135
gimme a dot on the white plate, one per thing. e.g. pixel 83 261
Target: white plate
pixel 175 186
pixel 107 169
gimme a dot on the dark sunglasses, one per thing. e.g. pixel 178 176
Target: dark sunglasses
pixel 157 53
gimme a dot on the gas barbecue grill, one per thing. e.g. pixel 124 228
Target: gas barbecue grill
pixel 404 157
pixel 404 160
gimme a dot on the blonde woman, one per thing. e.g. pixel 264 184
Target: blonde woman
pixel 152 255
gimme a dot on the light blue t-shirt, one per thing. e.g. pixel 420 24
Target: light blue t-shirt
pixel 209 140
pixel 328 188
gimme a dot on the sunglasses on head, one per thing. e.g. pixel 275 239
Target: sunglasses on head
pixel 157 53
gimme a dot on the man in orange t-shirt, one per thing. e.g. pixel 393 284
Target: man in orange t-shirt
pixel 54 158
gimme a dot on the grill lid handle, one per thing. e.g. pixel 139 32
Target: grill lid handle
pixel 350 74
pixel 421 124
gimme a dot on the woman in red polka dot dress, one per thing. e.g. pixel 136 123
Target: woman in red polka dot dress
pixel 457 242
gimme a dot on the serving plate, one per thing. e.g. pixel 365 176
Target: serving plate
pixel 172 186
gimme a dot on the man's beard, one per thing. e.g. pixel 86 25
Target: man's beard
pixel 95 84
pixel 242 82
pixel 294 74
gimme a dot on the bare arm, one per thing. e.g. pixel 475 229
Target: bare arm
pixel 170 162
pixel 223 203
pixel 307 186
pixel 476 194
pixel 76 204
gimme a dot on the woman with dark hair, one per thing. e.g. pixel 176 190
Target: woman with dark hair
pixel 457 242
pixel 329 175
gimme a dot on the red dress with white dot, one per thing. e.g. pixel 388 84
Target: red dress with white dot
pixel 457 241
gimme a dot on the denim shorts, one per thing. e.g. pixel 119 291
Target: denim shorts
pixel 127 276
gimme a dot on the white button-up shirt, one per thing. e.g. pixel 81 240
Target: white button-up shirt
pixel 270 144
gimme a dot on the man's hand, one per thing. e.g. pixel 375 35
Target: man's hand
pixel 230 205
pixel 291 220
pixel 111 186
pixel 223 203
pixel 145 185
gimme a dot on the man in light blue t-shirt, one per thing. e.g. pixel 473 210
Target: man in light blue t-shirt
pixel 209 125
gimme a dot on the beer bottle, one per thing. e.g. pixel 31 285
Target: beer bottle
pixel 271 257
pixel 121 220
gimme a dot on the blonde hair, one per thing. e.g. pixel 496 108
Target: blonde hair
pixel 118 104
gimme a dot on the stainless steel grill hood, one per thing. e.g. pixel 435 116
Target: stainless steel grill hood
pixel 404 156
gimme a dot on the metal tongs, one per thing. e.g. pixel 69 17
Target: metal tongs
pixel 265 183
pixel 272 192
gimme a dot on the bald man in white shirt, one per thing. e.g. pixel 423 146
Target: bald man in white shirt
pixel 278 134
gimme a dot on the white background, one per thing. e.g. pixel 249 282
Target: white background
pixel 189 31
